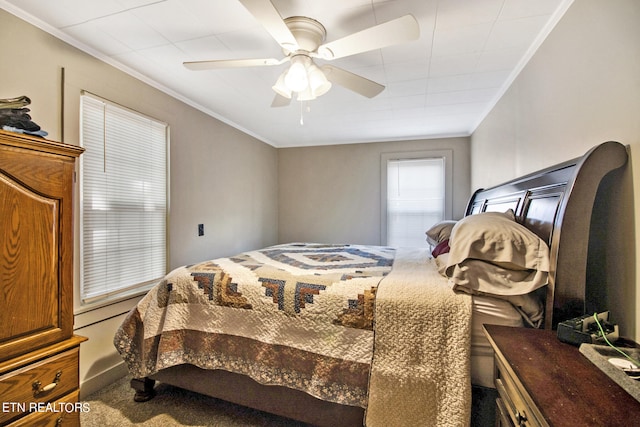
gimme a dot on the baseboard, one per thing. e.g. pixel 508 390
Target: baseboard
pixel 103 379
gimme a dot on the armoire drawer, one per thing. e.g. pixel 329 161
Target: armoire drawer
pixel 63 412
pixel 43 381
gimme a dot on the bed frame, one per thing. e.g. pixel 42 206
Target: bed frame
pixel 556 203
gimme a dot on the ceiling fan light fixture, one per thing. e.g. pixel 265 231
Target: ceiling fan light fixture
pixel 318 81
pixel 296 77
pixel 306 95
pixel 281 88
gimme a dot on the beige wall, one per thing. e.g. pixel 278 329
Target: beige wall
pixel 332 193
pixel 219 176
pixel 581 88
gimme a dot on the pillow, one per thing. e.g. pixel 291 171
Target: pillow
pixel 441 248
pixel 441 263
pixel 493 254
pixel 440 232
pixel 478 277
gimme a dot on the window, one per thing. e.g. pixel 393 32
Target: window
pixel 123 200
pixel 415 196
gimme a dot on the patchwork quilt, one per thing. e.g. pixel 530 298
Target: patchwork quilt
pixel 298 315
pixel 306 316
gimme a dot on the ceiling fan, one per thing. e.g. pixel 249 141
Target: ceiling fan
pixel 302 40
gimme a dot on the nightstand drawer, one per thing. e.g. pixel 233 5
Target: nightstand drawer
pixel 43 381
pixel 503 417
pixel 512 399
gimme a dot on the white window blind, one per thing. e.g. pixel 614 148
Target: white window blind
pixel 123 200
pixel 415 199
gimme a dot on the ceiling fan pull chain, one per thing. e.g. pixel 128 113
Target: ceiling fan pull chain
pixel 304 106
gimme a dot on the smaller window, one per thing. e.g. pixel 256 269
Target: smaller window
pixel 415 196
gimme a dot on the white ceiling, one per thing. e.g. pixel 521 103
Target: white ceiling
pixel 443 84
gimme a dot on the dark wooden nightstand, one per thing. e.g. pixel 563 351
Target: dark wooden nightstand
pixel 544 382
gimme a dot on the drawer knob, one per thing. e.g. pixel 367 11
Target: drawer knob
pixel 521 419
pixel 37 391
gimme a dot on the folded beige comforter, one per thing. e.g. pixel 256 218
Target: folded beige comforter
pixel 421 365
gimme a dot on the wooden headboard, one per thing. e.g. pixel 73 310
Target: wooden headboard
pixel 557 203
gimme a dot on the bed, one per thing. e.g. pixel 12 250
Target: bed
pixel 350 334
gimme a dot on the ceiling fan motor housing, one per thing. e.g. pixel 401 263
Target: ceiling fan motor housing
pixel 308 32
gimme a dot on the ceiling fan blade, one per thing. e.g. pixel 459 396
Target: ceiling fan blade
pixel 231 63
pixel 280 101
pixel 353 82
pixel 267 14
pixel 396 31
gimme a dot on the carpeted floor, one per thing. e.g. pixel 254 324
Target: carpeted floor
pixel 114 406
pixel 172 406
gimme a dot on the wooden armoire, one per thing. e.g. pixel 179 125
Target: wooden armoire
pixel 39 354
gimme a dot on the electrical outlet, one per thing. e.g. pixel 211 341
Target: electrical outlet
pixel 200 229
